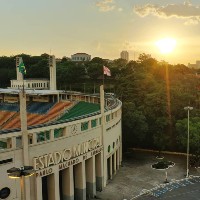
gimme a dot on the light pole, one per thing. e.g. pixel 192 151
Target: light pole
pixel 21 172
pixel 188 108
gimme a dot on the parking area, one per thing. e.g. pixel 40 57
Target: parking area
pixel 136 176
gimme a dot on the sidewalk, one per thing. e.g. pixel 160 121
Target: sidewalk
pixel 136 175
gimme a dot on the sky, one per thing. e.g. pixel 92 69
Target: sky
pixel 101 28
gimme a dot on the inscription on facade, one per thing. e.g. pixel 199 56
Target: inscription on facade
pixel 58 157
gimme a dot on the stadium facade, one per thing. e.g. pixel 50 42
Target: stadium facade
pixel 72 140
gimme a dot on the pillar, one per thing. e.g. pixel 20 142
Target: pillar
pixel 34 138
pixel 65 131
pixel 52 134
pixel 80 185
pixel 115 165
pixel 19 74
pixel 13 142
pixel 99 171
pixel 110 170
pixel 105 168
pixel 68 184
pixel 53 186
pixel 117 158
pixel 52 71
pixel 120 156
pixel 38 188
pixel 9 143
pixel 90 177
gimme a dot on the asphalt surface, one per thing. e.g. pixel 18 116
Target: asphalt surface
pixel 187 189
pixel 136 177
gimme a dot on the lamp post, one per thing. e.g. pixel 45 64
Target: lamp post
pixel 188 108
pixel 21 172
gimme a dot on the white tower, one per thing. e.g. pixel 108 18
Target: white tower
pixel 19 74
pixel 52 69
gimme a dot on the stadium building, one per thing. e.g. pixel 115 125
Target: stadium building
pixel 72 140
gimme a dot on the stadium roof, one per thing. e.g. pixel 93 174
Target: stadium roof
pixel 29 91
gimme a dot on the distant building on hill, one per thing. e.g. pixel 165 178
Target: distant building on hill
pixel 195 66
pixel 124 55
pixel 79 57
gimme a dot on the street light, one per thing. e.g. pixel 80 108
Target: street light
pixel 188 108
pixel 21 172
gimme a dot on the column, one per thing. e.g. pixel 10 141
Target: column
pixel 34 138
pixel 90 177
pixel 120 155
pixel 52 134
pixel 117 158
pixel 9 143
pixel 38 186
pixel 13 142
pixel 65 131
pixel 114 167
pixel 53 186
pixel 68 184
pixel 110 171
pixel 105 168
pixel 80 186
pixel 99 171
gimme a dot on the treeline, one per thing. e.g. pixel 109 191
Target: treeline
pixel 153 93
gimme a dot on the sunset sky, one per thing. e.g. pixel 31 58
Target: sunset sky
pixel 101 28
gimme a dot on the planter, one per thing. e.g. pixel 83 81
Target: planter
pixel 159 157
pixel 162 165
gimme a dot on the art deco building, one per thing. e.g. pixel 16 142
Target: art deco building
pixel 72 140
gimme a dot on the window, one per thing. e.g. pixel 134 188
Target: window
pixel 43 136
pixel 94 123
pixel 107 118
pixel 84 126
pixel 108 148
pixel 99 121
pixel 19 141
pixel 3 145
pixel 58 133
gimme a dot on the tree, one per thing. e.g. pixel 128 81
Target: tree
pixel 182 130
pixel 134 125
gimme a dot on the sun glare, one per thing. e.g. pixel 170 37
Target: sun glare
pixel 166 45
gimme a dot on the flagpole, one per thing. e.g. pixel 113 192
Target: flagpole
pixel 103 79
pixel 23 85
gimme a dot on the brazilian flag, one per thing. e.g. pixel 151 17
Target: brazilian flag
pixel 22 68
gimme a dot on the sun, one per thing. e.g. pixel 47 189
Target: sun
pixel 166 45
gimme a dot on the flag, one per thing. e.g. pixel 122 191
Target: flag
pixel 106 71
pixel 22 68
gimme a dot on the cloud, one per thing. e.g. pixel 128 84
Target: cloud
pixel 120 9
pixel 105 5
pixel 185 11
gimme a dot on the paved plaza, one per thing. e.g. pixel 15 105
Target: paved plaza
pixel 136 177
